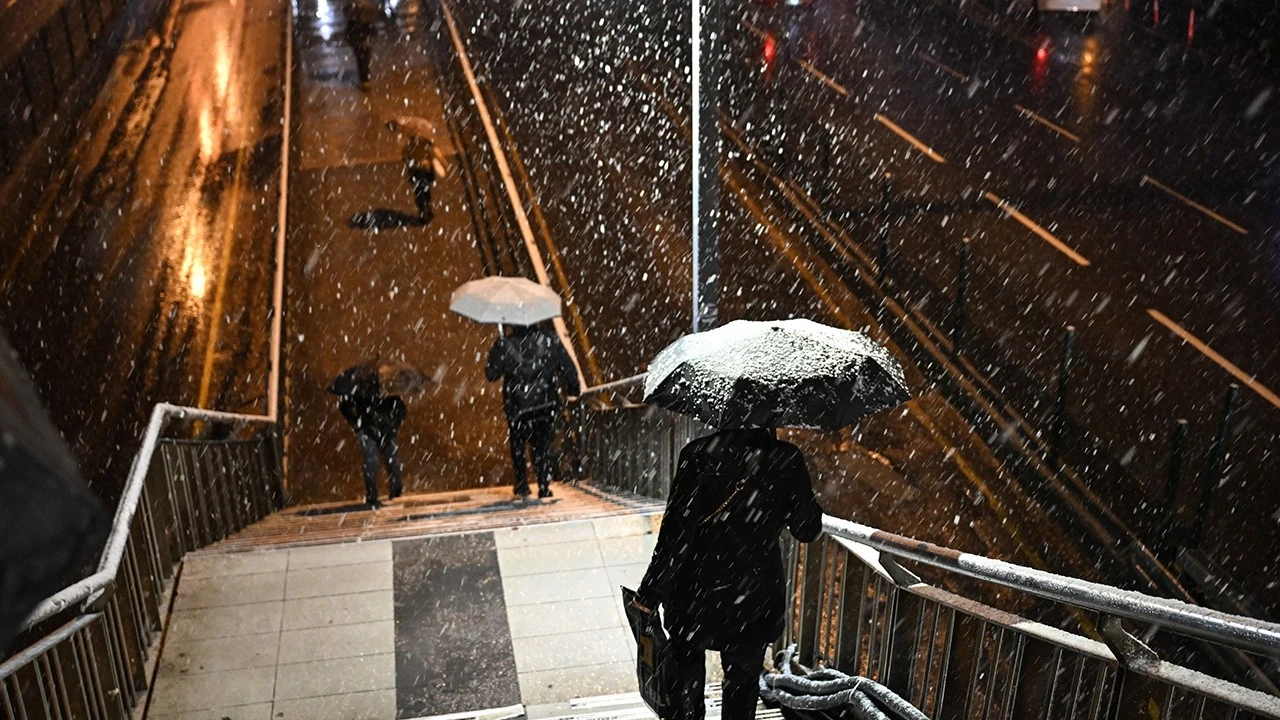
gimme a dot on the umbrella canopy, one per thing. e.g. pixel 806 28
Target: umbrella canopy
pixel 412 125
pixel 357 379
pixel 506 300
pixel 402 379
pixel 787 373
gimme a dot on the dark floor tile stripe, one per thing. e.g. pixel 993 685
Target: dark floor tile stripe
pixel 453 644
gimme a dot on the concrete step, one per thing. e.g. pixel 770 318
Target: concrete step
pixel 429 514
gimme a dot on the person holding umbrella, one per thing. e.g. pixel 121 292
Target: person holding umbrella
pixel 717 566
pixel 535 367
pixel 369 398
pixel 536 373
pixel 423 161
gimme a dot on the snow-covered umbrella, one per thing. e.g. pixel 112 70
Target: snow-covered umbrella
pixel 785 373
pixel 505 301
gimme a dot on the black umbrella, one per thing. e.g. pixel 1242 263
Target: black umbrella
pixel 787 373
pixel 357 379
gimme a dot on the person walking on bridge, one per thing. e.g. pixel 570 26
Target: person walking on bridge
pixel 375 417
pixel 717 566
pixel 536 373
pixel 423 160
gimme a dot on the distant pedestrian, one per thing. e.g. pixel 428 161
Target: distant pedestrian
pixel 717 567
pixel 362 20
pixel 376 418
pixel 536 373
pixel 423 161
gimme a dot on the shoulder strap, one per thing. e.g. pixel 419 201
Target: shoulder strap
pixel 737 489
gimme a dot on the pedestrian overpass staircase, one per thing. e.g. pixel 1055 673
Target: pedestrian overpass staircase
pixel 203 516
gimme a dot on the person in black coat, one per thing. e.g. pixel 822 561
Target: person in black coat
pixel 376 418
pixel 717 567
pixel 536 372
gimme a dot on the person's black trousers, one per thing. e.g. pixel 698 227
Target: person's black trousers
pixel 380 445
pixel 742 667
pixel 535 432
pixel 422 179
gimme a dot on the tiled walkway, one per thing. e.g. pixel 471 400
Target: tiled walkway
pixel 314 633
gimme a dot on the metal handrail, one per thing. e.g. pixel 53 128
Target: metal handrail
pixel 92 587
pixel 1193 620
pixel 609 386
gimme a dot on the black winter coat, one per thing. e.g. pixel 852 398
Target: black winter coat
pixel 718 570
pixel 535 369
pixel 364 405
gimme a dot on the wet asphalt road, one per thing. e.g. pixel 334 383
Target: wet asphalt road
pixel 1089 144
pixel 1092 141
pixel 145 275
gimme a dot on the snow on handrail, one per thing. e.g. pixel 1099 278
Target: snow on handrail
pixel 1234 630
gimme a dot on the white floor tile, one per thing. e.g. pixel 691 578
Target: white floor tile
pixel 552 557
pixel 562 617
pixel 588 647
pixel 245 563
pixel 330 610
pixel 206 691
pixel 258 711
pixel 561 685
pixel 226 621
pixel 339 676
pixel 375 705
pixel 230 653
pixel 556 586
pixel 627 550
pixel 342 554
pixel 232 590
pixel 373 638
pixel 338 580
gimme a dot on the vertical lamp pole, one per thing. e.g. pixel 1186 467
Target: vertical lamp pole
pixel 706 163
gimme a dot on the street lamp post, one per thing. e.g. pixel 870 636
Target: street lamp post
pixel 706 162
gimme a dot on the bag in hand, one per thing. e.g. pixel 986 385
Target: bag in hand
pixel 656 675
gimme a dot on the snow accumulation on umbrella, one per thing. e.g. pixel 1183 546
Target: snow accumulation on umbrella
pixel 793 373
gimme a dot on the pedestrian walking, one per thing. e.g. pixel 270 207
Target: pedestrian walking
pixel 423 161
pixel 717 566
pixel 362 19
pixel 375 416
pixel 536 373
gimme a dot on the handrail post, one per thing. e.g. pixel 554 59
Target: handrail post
pixel 962 288
pixel 882 255
pixel 1060 405
pixel 1216 456
pixel 1169 511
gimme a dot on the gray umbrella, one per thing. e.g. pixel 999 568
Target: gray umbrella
pixel 507 300
pixel 786 373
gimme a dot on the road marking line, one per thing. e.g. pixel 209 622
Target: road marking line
pixel 943 67
pixel 1148 180
pixel 1210 353
pixel 1049 124
pixel 1045 235
pixel 826 79
pixel 910 138
pixel 754 30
